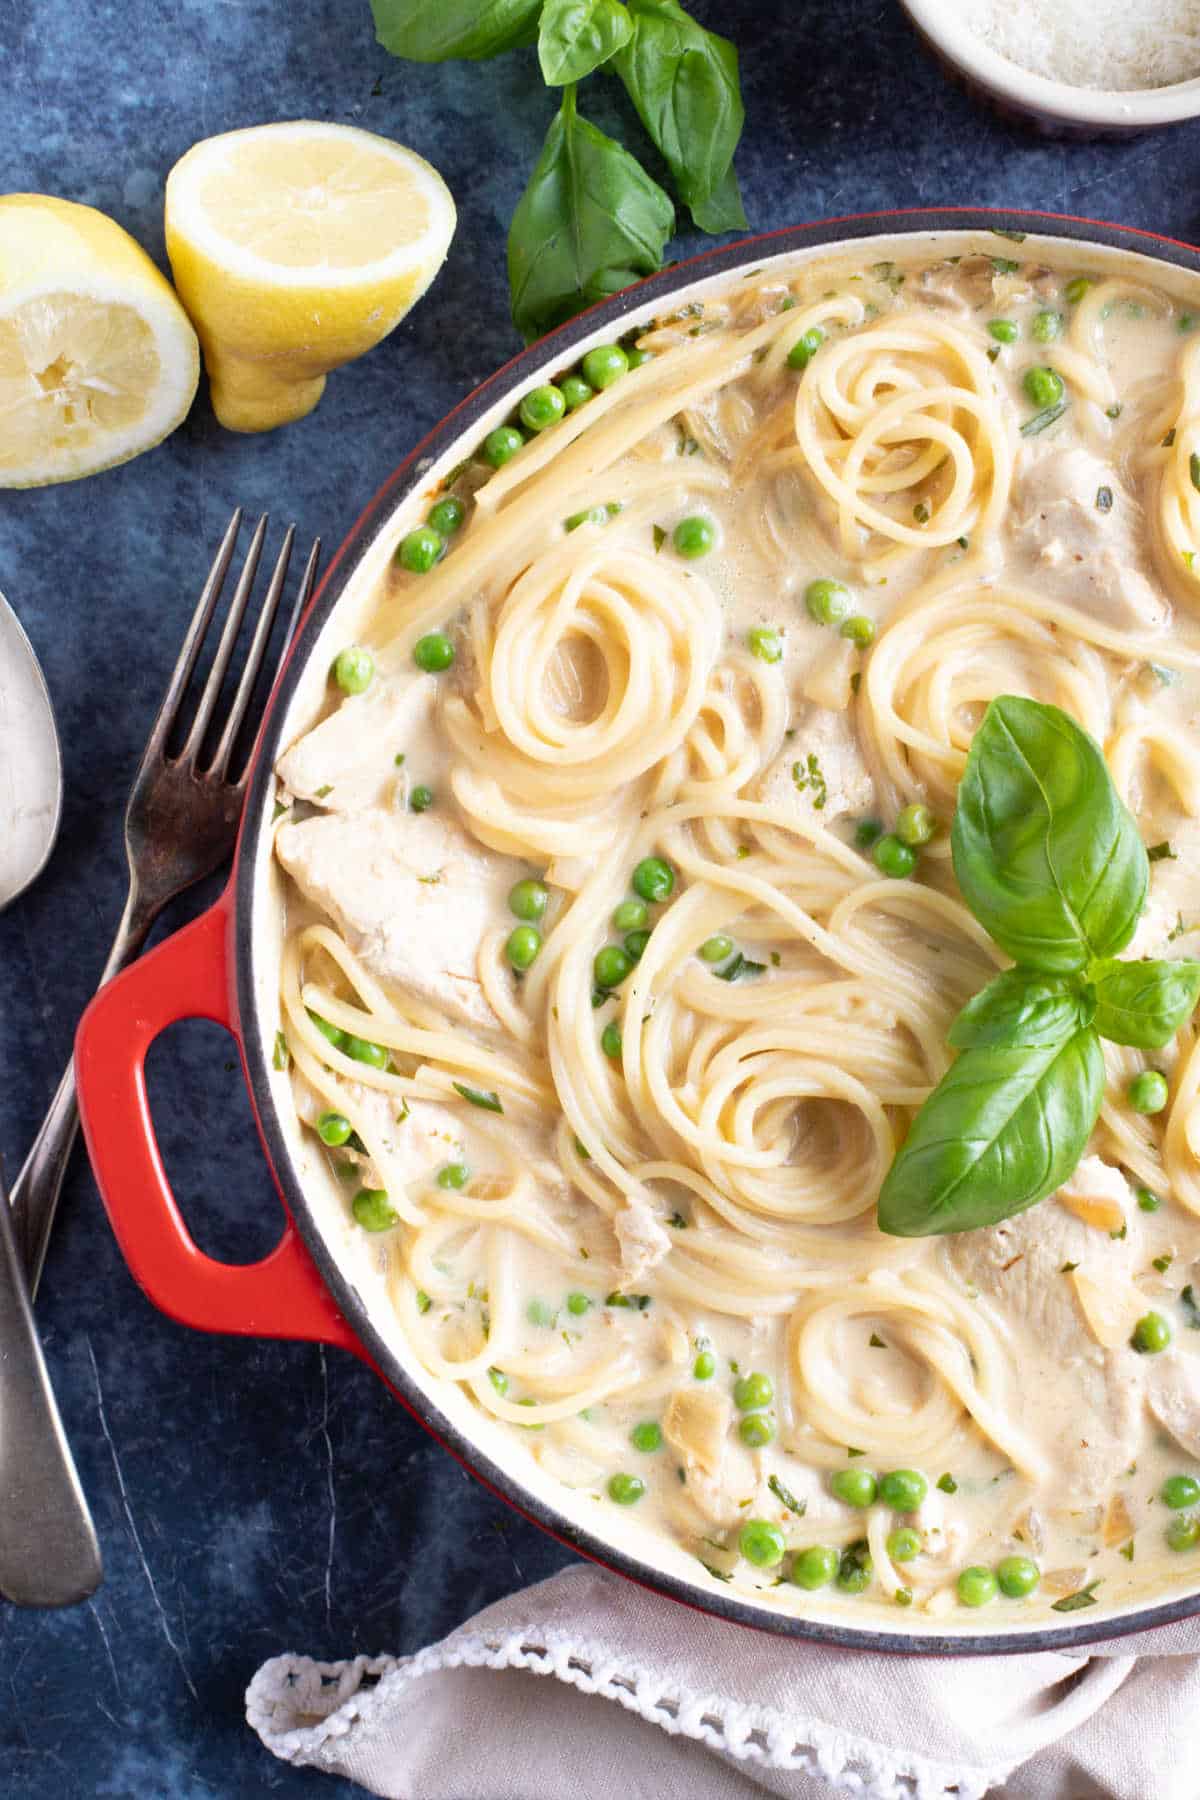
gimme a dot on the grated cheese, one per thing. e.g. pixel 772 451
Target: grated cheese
pixel 1102 44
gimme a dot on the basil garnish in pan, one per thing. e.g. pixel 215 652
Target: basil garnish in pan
pixel 1049 860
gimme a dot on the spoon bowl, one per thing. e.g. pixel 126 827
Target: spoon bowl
pixel 30 762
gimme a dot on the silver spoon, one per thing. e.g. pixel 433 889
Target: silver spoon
pixel 48 1550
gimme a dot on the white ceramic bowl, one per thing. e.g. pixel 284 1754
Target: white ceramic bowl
pixel 1055 107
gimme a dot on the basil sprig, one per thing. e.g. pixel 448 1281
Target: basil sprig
pixel 592 220
pixel 1049 859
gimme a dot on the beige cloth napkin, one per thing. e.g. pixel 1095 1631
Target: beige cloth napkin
pixel 586 1687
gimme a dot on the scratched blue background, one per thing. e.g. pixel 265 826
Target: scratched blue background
pixel 252 1498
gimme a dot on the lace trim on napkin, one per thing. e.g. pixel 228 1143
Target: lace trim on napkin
pixel 301 1708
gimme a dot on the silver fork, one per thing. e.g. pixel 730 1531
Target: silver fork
pixel 180 825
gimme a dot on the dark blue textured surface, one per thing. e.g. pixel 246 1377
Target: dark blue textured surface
pixel 256 1497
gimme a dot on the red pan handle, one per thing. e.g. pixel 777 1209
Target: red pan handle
pixel 187 977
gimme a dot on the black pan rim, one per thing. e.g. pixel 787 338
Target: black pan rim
pixel 559 347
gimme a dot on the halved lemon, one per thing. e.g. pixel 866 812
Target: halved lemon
pixel 97 359
pixel 295 248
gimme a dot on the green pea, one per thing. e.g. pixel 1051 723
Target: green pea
pixel 1148 1092
pixel 578 1304
pixel 371 1208
pixel 527 900
pixel 530 1402
pixel 453 1175
pixel 1005 331
pixel 903 1489
pixel 1046 327
pixel 375 1056
pixel 1043 386
pixel 635 944
pixel 764 643
pixel 446 515
pixel 716 949
pixel 1017 1576
pixel 1148 1200
pixel 522 946
pixel 694 537
pixel 334 1033
pixel 903 1544
pixel 867 832
pixel 894 859
pixel 420 799
pixel 977 1585
pixel 542 407
pixel 805 348
pixel 610 966
pixel 334 1129
pixel 761 1543
pixel 1151 1334
pixel 815 1567
pixel 433 653
pixel 915 825
pixel 1178 1491
pixel 756 1430
pixel 854 1487
pixel 753 1391
pixel 610 1040
pixel 705 1366
pixel 604 365
pixel 540 1313
pixel 855 1569
pixel 859 630
pixel 1183 1533
pixel 575 391
pixel 631 915
pixel 420 550
pixel 654 880
pixel 353 669
pixel 828 602
pixel 636 357
pixel 626 1490
pixel 647 1436
pixel 1076 289
pixel 501 445
pixel 499 1380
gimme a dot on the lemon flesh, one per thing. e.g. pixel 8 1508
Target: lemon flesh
pixel 295 248
pixel 97 359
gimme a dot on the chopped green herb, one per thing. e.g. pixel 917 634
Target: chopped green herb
pixel 1126 1551
pixel 875 1342
pixel 921 513
pixel 660 537
pixel 1084 1596
pixel 398 760
pixel 1040 420
pixel 947 1484
pixel 1191 1311
pixel 423 1301
pixel 282 1057
pixel 717 1574
pixel 1163 1263
pixel 1015 237
pixel 786 1498
pixel 1177 930
pixel 1194 469
pixel 322 791
pixel 1004 265
pixel 808 774
pixel 1068 1268
pixel 490 1102
pixel 1169 440
pixel 1160 853
pixel 1113 412
pixel 677 1222
pixel 739 967
pixel 637 1302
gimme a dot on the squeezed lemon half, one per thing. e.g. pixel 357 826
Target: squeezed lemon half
pixel 295 248
pixel 97 359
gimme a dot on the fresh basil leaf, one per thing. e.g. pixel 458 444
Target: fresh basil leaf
pixel 1002 1129
pixel 1144 1003
pixel 590 222
pixel 683 80
pixel 1022 1008
pixel 1047 855
pixel 576 36
pixel 440 30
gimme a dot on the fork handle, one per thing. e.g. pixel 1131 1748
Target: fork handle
pixel 48 1550
pixel 34 1198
